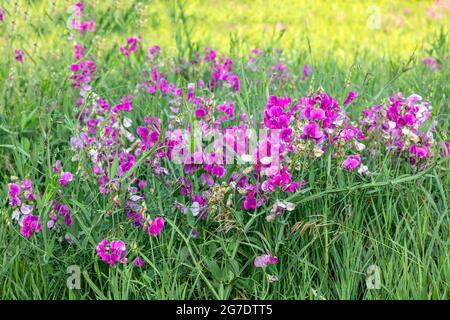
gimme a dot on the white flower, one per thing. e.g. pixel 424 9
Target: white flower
pixel 195 208
pixel 363 170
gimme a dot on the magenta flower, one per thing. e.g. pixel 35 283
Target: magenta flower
pixel 2 15
pixel 352 95
pixel 249 202
pixel 132 45
pixel 352 162
pixel 305 73
pixel 65 178
pixel 19 55
pixel 265 260
pixel 78 8
pixel 30 224
pixel 446 149
pixel 112 252
pixel 138 262
pixel 14 192
pixel 432 64
pixel 312 131
pixel 156 226
pixel 59 212
pixel 57 166
pixel 78 51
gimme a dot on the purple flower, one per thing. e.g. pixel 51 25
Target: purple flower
pixel 432 64
pixel 305 73
pixel 19 55
pixel 2 16
pixel 352 162
pixel 249 202
pixel 30 225
pixel 156 226
pixel 78 51
pixel 138 262
pixel 265 260
pixel 14 192
pixel 311 130
pixel 57 166
pixel 446 149
pixel 112 252
pixel 352 95
pixel 65 178
pixel 207 179
pixel 218 171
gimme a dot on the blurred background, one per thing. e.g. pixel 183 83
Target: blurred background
pixel 377 28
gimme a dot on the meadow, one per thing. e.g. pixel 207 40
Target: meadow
pixel 351 201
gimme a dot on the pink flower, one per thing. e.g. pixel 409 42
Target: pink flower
pixel 306 71
pixel 218 171
pixel 132 45
pixel 2 16
pixel 311 130
pixel 112 252
pixel 19 55
pixel 352 95
pixel 207 179
pixel 65 178
pixel 275 116
pixel 57 166
pixel 78 51
pixel 138 262
pixel 78 8
pixel 156 226
pixel 265 260
pixel 352 162
pixel 317 114
pixel 14 192
pixel 249 202
pixel 432 64
pixel 419 152
pixel 446 149
pixel 30 225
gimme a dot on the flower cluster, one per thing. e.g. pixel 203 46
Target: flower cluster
pixel 112 252
pixel 401 124
pixel 132 45
pixel 77 23
pixel 432 64
pixel 21 199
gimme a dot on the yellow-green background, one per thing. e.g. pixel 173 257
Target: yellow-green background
pixel 339 27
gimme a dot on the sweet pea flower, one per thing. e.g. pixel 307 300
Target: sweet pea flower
pixel 57 166
pixel 265 260
pixel 446 149
pixel 432 64
pixel 14 192
pixel 249 202
pixel 65 178
pixel 138 262
pixel 19 55
pixel 311 130
pixel 352 95
pixel 156 226
pixel 30 224
pixel 352 162
pixel 113 252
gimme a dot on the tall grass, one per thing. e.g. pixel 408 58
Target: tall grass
pixel 397 219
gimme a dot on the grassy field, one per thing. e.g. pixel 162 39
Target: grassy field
pixel 395 221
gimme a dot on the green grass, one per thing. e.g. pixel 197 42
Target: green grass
pixel 397 219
